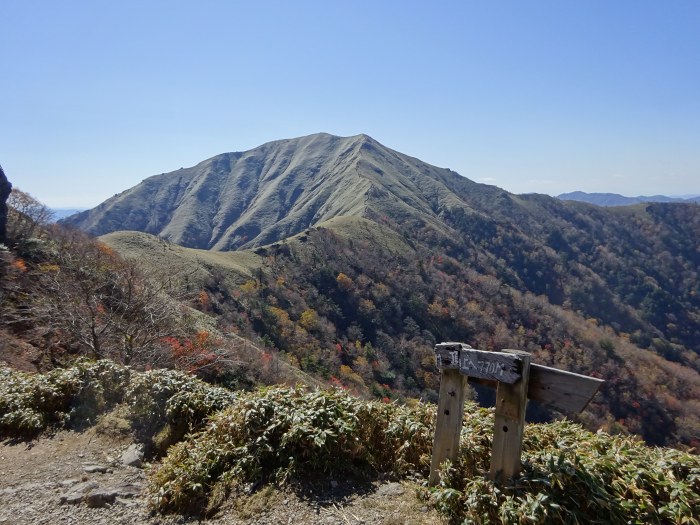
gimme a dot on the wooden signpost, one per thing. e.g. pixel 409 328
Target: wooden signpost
pixel 517 380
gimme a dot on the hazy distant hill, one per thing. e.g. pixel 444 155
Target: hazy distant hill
pixel 613 199
pixel 62 213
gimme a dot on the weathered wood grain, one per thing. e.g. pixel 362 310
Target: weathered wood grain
pixel 447 354
pixel 509 424
pixel 561 390
pixel 516 380
pixel 498 366
pixel 448 426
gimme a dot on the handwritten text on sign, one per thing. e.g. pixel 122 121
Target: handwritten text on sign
pixel 497 366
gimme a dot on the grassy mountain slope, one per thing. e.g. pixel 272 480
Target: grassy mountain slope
pixel 241 199
pixel 178 260
pixel 631 268
pixel 360 302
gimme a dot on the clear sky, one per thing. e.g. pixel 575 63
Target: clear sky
pixel 532 96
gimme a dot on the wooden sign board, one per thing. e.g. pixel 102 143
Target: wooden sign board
pixel 561 390
pixel 517 380
pixel 557 389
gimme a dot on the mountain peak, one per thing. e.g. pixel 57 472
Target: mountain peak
pixel 259 196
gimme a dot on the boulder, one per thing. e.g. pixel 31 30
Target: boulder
pixel 133 456
pixel 92 469
pixel 100 498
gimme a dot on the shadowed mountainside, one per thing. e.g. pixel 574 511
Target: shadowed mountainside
pixel 5 189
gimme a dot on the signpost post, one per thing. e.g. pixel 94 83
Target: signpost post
pixel 517 380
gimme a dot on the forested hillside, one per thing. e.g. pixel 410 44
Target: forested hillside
pixel 366 315
pixel 633 268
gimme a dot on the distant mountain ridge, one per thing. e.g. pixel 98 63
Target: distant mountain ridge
pixel 62 213
pixel 614 199
pixel 601 262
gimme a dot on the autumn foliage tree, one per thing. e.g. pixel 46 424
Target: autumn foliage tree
pixel 104 303
pixel 75 293
pixel 26 216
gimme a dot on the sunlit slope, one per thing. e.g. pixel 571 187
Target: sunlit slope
pixel 236 267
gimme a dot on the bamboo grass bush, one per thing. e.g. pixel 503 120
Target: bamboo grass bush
pixel 277 434
pixel 32 403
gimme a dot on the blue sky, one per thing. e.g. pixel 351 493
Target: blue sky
pixel 532 96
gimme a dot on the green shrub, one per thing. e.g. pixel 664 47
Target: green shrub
pixel 571 475
pixel 165 405
pixel 280 434
pixel 31 403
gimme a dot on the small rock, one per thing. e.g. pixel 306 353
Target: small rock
pixel 91 469
pixel 125 501
pixel 77 493
pixel 100 498
pixel 391 489
pixel 69 482
pixel 133 456
pixel 128 490
pixel 334 484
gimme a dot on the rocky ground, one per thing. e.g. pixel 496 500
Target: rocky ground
pixel 95 478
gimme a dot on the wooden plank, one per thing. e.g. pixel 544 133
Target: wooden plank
pixel 561 390
pixel 448 425
pixel 509 423
pixel 497 366
pixel 557 389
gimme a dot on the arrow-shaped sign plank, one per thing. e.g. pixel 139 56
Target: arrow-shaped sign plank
pixel 517 380
pixel 561 390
